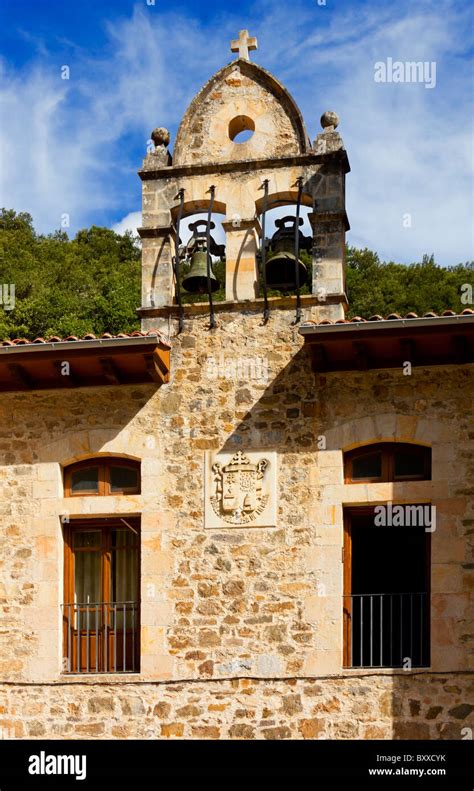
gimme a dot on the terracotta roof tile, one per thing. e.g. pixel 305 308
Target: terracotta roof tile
pixel 392 316
pixel 89 336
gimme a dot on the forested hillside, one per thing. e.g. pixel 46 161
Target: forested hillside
pixel 92 283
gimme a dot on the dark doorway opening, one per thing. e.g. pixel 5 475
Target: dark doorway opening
pixel 386 593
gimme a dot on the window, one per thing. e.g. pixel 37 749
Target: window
pixel 241 128
pixel 386 610
pixel 102 476
pixel 390 461
pixel 101 595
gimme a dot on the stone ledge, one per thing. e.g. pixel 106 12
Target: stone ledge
pixel 247 306
pixel 310 158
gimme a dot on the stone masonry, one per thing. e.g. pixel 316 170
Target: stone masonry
pixel 241 626
pixel 219 607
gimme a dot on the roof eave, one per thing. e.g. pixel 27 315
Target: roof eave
pixel 384 324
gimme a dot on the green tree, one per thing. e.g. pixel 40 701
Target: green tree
pixel 92 283
pixel 376 287
pixel 67 286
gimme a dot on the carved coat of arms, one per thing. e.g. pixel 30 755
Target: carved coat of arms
pixel 238 495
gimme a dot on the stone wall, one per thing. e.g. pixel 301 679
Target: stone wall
pixel 365 707
pixel 227 603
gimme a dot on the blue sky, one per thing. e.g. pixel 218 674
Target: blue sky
pixel 74 146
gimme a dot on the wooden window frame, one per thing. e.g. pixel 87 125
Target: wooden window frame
pixel 104 466
pixel 349 513
pixel 388 450
pixel 105 525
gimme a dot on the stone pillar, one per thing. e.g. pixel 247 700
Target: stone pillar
pixel 241 271
pixel 157 267
pixel 157 233
pixel 329 220
pixel 329 239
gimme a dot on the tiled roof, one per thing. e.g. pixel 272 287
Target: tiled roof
pixel 378 342
pixel 88 337
pixel 392 316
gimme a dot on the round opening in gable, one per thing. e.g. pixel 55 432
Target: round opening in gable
pixel 241 129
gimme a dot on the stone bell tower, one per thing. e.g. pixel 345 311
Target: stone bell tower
pixel 208 163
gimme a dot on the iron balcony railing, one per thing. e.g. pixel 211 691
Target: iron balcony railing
pixel 387 629
pixel 101 637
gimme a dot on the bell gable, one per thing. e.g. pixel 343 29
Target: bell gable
pixel 241 96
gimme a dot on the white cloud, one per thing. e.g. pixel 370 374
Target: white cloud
pixel 130 222
pixel 62 141
pixel 408 146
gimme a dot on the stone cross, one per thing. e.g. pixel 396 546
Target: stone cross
pixel 243 44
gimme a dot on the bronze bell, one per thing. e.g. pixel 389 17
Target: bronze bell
pixel 196 279
pixel 281 268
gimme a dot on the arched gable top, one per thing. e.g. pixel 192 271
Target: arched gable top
pixel 241 96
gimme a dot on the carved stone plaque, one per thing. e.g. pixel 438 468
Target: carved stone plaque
pixel 240 489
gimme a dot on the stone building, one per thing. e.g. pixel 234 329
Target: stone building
pixel 250 520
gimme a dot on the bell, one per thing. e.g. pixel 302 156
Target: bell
pixel 196 279
pixel 281 271
pixel 281 268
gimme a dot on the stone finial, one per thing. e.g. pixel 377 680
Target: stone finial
pixel 329 118
pixel 243 44
pixel 328 140
pixel 160 137
pixel 160 156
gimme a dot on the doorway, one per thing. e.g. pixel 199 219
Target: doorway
pixel 386 610
pixel 101 614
